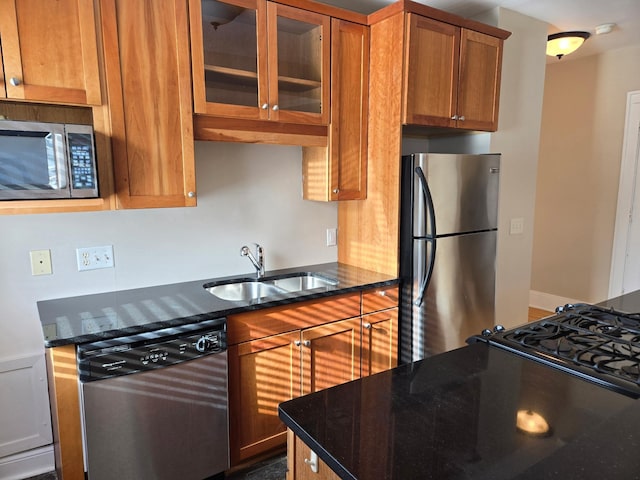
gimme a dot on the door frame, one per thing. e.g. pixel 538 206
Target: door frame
pixel 629 178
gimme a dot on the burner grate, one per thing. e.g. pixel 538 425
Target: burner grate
pixel 595 340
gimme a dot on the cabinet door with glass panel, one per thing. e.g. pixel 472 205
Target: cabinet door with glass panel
pixel 259 60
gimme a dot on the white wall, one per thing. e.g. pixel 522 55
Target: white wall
pixel 580 154
pixel 246 193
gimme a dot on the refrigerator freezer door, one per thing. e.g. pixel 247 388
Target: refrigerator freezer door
pixel 459 300
pixel 463 190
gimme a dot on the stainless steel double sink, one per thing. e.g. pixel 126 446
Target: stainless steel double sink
pixel 244 290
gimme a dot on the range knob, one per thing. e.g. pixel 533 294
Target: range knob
pixel 206 343
pixel 498 329
pixel 486 332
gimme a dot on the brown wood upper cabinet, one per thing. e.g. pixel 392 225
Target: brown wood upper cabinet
pixel 147 68
pixel 452 76
pixel 49 52
pixel 339 171
pixel 260 60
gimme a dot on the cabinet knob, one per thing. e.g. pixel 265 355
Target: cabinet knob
pixel 455 117
pixel 336 190
pixel 297 343
pixel 382 293
pixel 275 108
pixel 307 343
pixel 367 326
pixel 15 81
pixel 191 194
pixel 461 118
pixel 265 106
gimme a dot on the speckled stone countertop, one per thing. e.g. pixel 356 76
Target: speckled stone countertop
pixel 102 316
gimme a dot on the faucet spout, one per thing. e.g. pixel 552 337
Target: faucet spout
pixel 258 262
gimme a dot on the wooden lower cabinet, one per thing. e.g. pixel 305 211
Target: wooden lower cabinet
pixel 379 341
pixel 299 460
pixel 280 353
pixel 330 355
pixel 262 374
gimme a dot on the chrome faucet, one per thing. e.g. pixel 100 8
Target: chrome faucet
pixel 259 262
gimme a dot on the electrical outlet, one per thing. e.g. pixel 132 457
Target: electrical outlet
pixel 40 262
pixel 331 237
pixel 93 258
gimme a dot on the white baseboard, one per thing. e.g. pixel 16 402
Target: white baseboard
pixel 27 464
pixel 547 301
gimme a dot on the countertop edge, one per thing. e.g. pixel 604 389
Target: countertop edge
pixel 213 309
pixel 323 454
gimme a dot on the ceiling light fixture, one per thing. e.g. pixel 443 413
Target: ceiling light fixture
pixel 564 43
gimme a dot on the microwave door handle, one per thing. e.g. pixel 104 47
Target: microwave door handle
pixel 60 150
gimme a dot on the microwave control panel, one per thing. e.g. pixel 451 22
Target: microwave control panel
pixel 82 161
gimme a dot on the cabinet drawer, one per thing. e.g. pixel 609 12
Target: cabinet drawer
pixel 295 316
pixel 379 299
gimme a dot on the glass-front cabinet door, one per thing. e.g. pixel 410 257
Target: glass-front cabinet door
pixel 259 60
pixel 230 70
pixel 298 64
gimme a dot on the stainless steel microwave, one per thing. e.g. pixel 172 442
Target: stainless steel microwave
pixel 46 160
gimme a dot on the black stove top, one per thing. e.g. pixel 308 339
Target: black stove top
pixel 599 344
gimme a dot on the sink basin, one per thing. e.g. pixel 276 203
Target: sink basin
pixel 244 291
pixel 305 281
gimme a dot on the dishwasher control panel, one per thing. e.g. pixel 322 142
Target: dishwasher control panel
pixel 148 351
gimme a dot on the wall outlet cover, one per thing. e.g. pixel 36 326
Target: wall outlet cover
pixel 93 258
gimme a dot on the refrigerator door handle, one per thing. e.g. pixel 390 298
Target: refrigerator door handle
pixel 426 279
pixel 428 202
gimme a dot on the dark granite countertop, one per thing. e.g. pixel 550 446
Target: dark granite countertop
pixel 453 416
pixel 108 315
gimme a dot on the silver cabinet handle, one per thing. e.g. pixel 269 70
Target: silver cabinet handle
pixel 455 117
pixel 382 293
pixel 191 194
pixel 336 190
pixel 461 118
pixel 15 81
pixel 265 106
pixel 367 326
pixel 307 343
pixel 297 343
pixel 275 108
pixel 312 462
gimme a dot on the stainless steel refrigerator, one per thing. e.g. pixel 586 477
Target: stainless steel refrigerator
pixel 448 233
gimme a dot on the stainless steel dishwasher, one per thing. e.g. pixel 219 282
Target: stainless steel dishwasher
pixel 155 404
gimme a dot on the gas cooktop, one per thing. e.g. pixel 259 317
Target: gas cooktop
pixel 599 344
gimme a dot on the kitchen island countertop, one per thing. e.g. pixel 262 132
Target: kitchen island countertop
pixel 454 417
pixel 107 315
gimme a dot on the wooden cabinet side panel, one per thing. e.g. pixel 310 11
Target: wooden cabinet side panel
pixel 480 74
pixel 65 412
pixel 369 228
pixel 272 321
pixel 149 84
pixel 262 373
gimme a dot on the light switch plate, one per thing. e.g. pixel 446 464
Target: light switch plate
pixel 331 237
pixel 40 262
pixel 517 226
